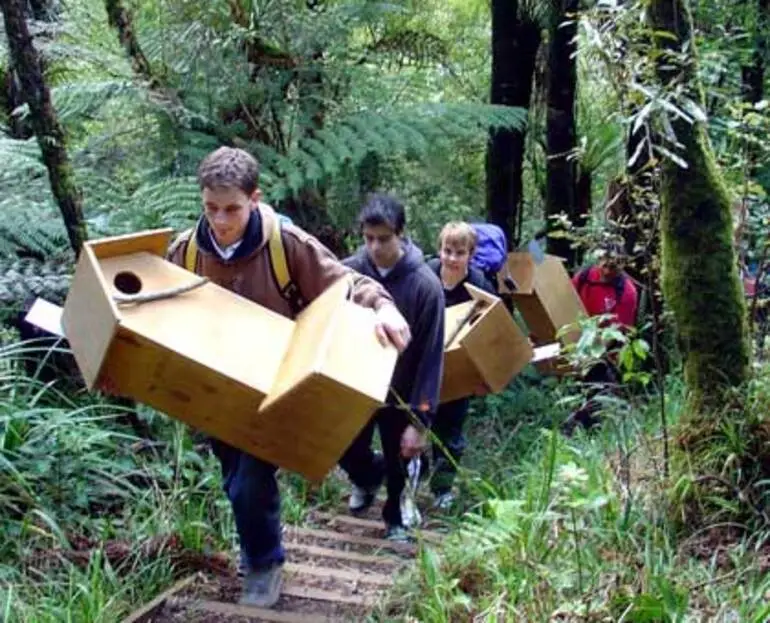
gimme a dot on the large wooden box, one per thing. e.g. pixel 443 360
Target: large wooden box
pixel 482 344
pixel 292 393
pixel 544 295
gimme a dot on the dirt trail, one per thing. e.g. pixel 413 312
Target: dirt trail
pixel 337 568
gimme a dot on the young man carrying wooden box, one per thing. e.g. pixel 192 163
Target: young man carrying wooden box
pixel 239 244
pixel 398 264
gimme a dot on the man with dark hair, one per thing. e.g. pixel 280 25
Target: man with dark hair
pixel 392 259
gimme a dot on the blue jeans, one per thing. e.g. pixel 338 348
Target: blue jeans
pixel 252 489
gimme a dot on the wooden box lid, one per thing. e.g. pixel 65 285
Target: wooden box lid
pixel 290 393
pixel 483 343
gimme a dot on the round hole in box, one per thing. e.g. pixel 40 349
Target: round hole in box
pixel 127 282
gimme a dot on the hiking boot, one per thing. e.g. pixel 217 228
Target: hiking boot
pixel 362 498
pixel 262 589
pixel 397 534
pixel 443 501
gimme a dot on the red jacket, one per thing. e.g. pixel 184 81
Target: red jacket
pixel 600 297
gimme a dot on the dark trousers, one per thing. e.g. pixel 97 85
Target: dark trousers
pixel 252 489
pixel 448 427
pixel 365 469
pixel 600 379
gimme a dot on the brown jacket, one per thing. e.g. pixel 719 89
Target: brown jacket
pixel 311 265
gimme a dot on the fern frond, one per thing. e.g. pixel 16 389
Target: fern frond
pixel 173 202
pixel 411 46
pixel 21 159
pixel 21 279
pixel 31 229
pixel 77 100
pixel 412 132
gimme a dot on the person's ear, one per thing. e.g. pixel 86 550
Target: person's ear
pixel 255 198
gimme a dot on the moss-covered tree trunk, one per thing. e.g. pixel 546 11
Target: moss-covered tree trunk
pixel 700 279
pixel 515 42
pixel 561 134
pixel 44 122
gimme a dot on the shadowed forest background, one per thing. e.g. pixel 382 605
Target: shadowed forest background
pixel 571 121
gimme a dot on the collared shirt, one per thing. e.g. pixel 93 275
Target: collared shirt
pixel 228 251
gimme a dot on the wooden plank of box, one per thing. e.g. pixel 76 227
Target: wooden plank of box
pixel 291 393
pixel 549 360
pixel 488 348
pixel 544 295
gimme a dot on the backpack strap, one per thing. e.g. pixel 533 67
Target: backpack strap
pixel 281 274
pixel 278 265
pixel 191 252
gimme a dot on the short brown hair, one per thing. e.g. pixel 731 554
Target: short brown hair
pixel 229 167
pixel 458 232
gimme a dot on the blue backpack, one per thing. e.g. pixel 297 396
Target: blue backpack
pixel 491 250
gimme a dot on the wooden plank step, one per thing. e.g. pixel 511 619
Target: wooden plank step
pixel 232 610
pixel 319 594
pixel 339 554
pixel 152 607
pixel 372 524
pixel 364 577
pixel 330 535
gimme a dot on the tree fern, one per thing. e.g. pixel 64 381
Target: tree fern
pixel 410 132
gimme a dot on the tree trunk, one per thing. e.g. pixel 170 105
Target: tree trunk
pixel 700 280
pixel 120 19
pixel 10 99
pixel 43 10
pixel 514 50
pixel 561 183
pixel 44 122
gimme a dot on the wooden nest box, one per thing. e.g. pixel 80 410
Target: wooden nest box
pixel 544 295
pixel 482 344
pixel 294 393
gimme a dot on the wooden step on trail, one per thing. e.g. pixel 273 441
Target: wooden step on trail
pixel 343 521
pixel 338 567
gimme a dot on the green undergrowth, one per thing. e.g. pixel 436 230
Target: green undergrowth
pixel 585 528
pixel 97 517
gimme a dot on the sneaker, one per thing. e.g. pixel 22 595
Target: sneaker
pixel 397 534
pixel 362 498
pixel 444 501
pixel 262 589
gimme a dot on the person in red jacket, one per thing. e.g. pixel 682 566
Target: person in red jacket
pixel 604 289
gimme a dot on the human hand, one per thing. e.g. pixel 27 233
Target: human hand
pixel 392 328
pixel 413 442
